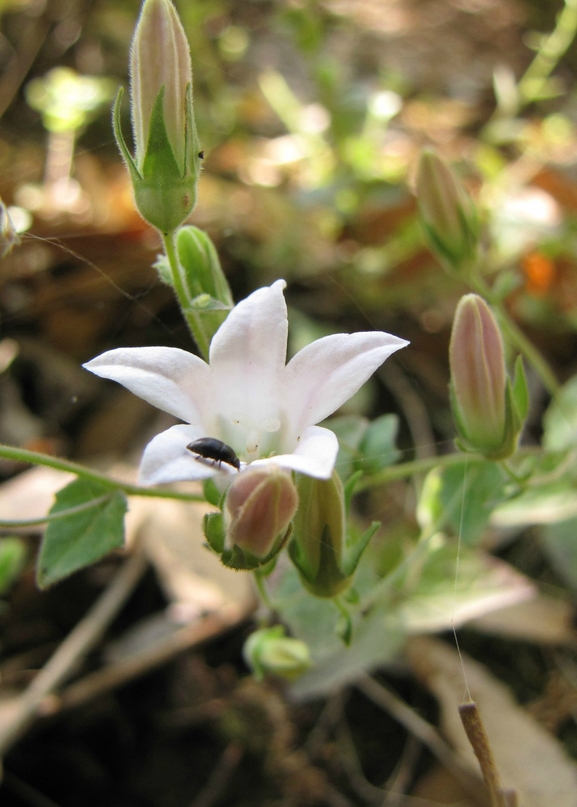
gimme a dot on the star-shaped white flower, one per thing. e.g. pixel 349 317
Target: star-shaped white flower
pixel 247 396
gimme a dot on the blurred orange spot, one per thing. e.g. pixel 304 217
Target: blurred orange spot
pixel 539 273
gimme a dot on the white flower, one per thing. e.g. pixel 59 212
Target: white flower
pixel 247 396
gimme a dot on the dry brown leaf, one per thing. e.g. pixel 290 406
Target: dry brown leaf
pixel 528 758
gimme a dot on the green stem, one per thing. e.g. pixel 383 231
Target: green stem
pixel 35 458
pixel 70 511
pixel 345 630
pixel 518 338
pixel 552 49
pixel 182 293
pixel 258 579
pixel 421 466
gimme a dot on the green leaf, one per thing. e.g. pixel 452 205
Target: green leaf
pixel 546 503
pixel 560 419
pixel 378 444
pixel 468 494
pixel 12 557
pixel 561 547
pixel 350 430
pixel 79 539
pixel 455 584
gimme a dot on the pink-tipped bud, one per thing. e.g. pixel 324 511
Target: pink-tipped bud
pixel 166 163
pixel 478 376
pixel 261 503
pixel 447 214
pixel 160 57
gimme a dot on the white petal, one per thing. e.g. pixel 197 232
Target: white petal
pixel 326 373
pixel 315 456
pixel 248 354
pixel 174 380
pixel 167 459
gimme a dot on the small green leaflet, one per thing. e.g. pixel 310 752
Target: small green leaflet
pixel 81 538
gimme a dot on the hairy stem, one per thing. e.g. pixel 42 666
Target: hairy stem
pixel 36 458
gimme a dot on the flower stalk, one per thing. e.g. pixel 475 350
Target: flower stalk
pixel 177 281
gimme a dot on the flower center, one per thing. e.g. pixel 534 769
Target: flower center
pixel 253 438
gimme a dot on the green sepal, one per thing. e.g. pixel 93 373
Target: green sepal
pixel 513 422
pixel 354 553
pixel 212 494
pixel 349 488
pixel 344 627
pixel 352 596
pixel 268 568
pixel 121 143
pixel 457 258
pixel 165 195
pixel 213 524
pixel 330 579
pixel 235 557
pixel 520 391
pixel 159 160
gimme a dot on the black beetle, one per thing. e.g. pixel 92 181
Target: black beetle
pixel 210 448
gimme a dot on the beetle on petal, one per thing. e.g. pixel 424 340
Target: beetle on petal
pixel 212 449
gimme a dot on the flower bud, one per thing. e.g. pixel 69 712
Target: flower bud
pixel 261 503
pixel 318 546
pixel 487 411
pixel 166 164
pixel 199 259
pixel 207 288
pixel 271 652
pixel 447 213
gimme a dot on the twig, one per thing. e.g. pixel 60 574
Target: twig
pixel 475 730
pixel 399 780
pixel 427 733
pixel 72 650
